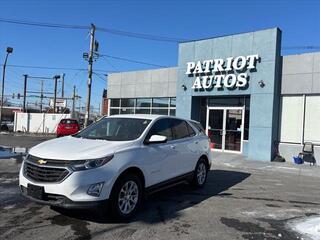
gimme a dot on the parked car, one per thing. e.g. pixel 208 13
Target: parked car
pixel 115 162
pixel 7 126
pixel 67 126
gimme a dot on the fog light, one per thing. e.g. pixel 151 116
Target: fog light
pixel 95 189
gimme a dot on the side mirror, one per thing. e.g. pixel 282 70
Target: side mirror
pixel 156 139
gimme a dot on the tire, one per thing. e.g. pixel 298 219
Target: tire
pixel 127 207
pixel 200 174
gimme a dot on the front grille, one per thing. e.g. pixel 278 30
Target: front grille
pixel 54 162
pixel 44 174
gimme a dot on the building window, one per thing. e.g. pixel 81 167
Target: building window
pixel 115 102
pixel 160 102
pixel 291 119
pixel 312 116
pixel 128 102
pixel 161 106
pixel 144 102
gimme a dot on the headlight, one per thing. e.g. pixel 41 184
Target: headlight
pixel 90 164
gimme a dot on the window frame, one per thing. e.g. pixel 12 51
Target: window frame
pixel 150 109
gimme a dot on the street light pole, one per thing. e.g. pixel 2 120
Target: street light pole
pixel 9 50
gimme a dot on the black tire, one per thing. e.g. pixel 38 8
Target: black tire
pixel 114 203
pixel 197 181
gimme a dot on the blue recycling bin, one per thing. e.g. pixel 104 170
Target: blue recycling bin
pixel 298 160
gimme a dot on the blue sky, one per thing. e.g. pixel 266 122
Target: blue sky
pixel 183 19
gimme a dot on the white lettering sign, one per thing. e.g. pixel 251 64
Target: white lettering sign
pixel 216 73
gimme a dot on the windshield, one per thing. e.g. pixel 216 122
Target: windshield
pixel 115 129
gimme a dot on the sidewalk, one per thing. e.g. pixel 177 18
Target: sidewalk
pixel 238 161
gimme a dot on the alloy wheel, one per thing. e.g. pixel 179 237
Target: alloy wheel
pixel 201 173
pixel 128 197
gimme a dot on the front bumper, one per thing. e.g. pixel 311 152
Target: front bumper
pixel 75 186
pixel 62 201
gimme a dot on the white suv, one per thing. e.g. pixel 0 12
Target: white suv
pixel 117 161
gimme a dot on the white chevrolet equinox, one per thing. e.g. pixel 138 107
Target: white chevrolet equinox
pixel 116 162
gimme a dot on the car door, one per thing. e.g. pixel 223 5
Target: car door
pixel 159 163
pixel 186 145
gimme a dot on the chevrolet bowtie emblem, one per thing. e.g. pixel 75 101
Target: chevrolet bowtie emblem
pixel 41 161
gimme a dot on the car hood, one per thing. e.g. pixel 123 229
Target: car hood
pixel 71 148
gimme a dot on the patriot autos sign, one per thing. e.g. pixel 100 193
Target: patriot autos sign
pixel 231 72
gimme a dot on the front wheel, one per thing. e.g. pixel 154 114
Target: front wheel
pixel 200 174
pixel 126 197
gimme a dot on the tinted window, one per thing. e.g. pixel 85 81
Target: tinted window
pixel 160 102
pixel 69 121
pixel 144 102
pixel 127 102
pixel 160 111
pixel 179 129
pixel 190 130
pixel 115 103
pixel 161 127
pixel 114 111
pixel 115 129
pixel 198 127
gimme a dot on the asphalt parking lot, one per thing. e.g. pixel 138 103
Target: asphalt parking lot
pixel 238 202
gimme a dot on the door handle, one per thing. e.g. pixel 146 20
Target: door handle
pixel 173 147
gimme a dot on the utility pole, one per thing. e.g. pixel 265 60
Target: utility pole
pixel 73 100
pixel 41 96
pixel 25 92
pixel 62 87
pixel 56 77
pixel 90 60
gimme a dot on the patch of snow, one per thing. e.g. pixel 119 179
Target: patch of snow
pixel 9 207
pixel 289 168
pixel 309 227
pixel 229 165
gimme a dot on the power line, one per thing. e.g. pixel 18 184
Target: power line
pixel 119 32
pixel 102 29
pixel 98 75
pixel 53 68
pixel 131 60
pixel 301 48
pixel 42 24
pixel 141 35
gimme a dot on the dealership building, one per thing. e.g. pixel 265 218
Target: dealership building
pixel 249 98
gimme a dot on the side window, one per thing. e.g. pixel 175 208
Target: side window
pixel 161 127
pixel 191 131
pixel 198 126
pixel 179 129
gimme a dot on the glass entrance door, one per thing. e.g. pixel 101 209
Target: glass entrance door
pixel 233 132
pixel 225 128
pixel 215 128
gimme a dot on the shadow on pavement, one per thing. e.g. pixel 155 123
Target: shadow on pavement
pixel 167 204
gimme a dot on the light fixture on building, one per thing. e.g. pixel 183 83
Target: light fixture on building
pixel 184 87
pixel 261 83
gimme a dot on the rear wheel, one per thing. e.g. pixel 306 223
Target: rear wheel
pixel 126 197
pixel 200 174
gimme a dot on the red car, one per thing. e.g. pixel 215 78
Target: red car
pixel 67 126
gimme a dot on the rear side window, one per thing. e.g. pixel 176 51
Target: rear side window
pixel 198 127
pixel 191 131
pixel 179 129
pixel 68 121
pixel 161 127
